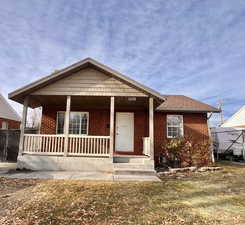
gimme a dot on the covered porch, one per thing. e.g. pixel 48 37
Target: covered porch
pixel 112 126
pixel 116 117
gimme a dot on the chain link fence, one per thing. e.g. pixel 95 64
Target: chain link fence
pixel 228 143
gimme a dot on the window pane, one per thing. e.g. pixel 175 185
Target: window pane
pixel 174 126
pixel 175 132
pixel 84 121
pixel 74 126
pixel 60 122
pixel 77 125
pixel 4 125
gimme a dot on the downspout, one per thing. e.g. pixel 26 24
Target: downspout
pixel 211 139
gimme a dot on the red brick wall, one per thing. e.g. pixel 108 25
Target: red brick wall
pixel 99 124
pixel 12 124
pixel 195 124
pixel 98 120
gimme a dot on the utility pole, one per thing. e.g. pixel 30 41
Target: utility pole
pixel 243 144
pixel 220 105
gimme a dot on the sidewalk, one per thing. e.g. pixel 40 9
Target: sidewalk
pixel 6 166
pixel 75 175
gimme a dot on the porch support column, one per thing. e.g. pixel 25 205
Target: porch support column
pixel 23 125
pixel 112 115
pixel 151 127
pixel 66 124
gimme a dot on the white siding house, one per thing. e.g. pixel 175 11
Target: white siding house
pixel 237 120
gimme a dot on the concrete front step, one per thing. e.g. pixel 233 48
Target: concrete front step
pixel 133 166
pixel 136 178
pixel 130 159
pixel 130 171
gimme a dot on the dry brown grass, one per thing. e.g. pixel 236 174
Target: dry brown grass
pixel 197 198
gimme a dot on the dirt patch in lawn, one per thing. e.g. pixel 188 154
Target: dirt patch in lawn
pixel 13 192
pixel 193 198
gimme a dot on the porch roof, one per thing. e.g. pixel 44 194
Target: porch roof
pixel 89 102
pixel 19 94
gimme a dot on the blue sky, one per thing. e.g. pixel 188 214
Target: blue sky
pixel 191 47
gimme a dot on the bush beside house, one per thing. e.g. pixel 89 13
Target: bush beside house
pixel 187 151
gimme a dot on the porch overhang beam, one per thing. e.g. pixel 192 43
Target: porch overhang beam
pixel 151 127
pixel 112 116
pixel 23 125
pixel 67 122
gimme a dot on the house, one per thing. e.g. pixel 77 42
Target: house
pixel 95 118
pixel 237 120
pixel 9 119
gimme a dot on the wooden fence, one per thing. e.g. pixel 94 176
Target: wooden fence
pixel 9 145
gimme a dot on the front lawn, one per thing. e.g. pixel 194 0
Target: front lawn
pixel 197 198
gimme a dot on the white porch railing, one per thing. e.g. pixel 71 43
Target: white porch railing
pixel 146 146
pixel 44 144
pixel 78 145
pixel 89 145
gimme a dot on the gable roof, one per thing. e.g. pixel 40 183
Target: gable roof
pixel 19 94
pixel 237 119
pixel 181 103
pixel 7 111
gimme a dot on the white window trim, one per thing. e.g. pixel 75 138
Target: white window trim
pixel 182 127
pixel 7 125
pixel 69 121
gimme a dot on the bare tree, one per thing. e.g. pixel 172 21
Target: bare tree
pixel 35 118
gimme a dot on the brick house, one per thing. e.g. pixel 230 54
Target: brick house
pixel 9 119
pixel 94 118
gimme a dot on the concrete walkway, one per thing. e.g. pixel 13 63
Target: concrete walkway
pixel 6 166
pixel 76 175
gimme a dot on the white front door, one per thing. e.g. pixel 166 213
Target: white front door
pixel 124 132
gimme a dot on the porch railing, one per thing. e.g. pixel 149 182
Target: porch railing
pixel 78 145
pixel 88 145
pixel 44 144
pixel 146 146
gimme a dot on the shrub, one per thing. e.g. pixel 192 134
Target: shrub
pixel 188 151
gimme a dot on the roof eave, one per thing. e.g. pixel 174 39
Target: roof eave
pixel 52 76
pixel 19 93
pixel 188 110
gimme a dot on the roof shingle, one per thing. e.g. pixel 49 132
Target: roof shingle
pixel 181 103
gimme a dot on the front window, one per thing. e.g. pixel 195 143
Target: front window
pixel 78 123
pixel 4 125
pixel 175 126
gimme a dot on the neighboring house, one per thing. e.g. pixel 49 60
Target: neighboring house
pixel 94 117
pixel 9 119
pixel 237 120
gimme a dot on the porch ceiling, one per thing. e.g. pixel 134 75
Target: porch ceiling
pixel 93 102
